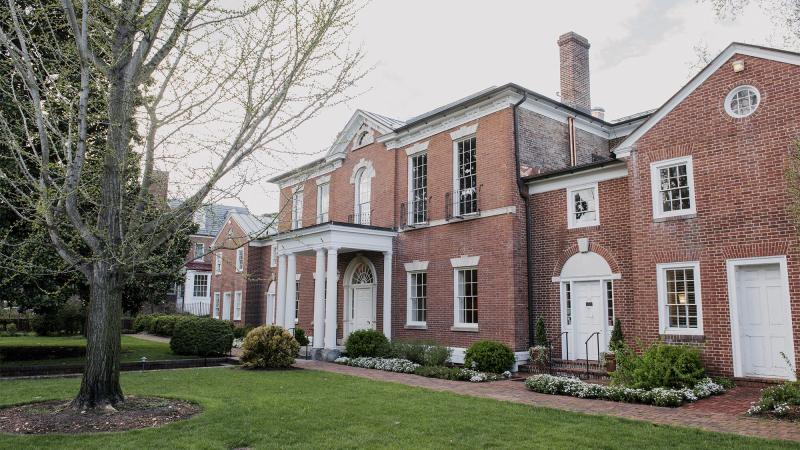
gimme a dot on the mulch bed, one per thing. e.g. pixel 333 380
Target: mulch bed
pixel 55 417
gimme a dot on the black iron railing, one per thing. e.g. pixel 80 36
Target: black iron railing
pixel 414 213
pixel 462 202
pixel 597 335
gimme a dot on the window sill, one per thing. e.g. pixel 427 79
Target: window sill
pixel 464 217
pixel 464 328
pixel 671 337
pixel 416 326
pixel 588 225
pixel 676 217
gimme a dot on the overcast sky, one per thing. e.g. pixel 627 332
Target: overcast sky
pixel 428 53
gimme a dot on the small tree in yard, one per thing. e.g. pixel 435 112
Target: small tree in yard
pixel 141 80
pixel 540 335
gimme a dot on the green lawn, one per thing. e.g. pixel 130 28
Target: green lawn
pixel 132 349
pixel 309 409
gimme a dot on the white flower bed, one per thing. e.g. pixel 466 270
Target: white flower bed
pixel 237 343
pixel 406 366
pixel 549 384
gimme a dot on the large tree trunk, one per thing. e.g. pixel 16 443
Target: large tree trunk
pixel 100 386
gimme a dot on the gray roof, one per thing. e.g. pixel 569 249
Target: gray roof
pixel 256 226
pixel 212 217
pixel 388 122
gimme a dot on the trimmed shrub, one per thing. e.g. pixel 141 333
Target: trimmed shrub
pixel 269 347
pixel 11 329
pixel 300 337
pixel 367 343
pixel 617 339
pixel 241 332
pixel 425 353
pixel 66 320
pixel 660 366
pixel 540 334
pixel 201 337
pixel 489 356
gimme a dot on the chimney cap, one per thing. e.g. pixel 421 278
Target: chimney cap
pixel 573 36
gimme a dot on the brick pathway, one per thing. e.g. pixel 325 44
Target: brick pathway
pixel 714 414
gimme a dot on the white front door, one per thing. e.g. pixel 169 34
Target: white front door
pixel 764 321
pixel 588 317
pixel 362 309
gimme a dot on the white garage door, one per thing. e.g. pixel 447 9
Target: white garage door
pixel 764 321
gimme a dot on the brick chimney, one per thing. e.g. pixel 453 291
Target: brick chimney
pixel 574 52
pixel 159 186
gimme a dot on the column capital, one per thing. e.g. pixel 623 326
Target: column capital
pixel 333 249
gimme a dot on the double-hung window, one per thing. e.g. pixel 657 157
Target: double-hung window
pixel 226 306
pixel 417 298
pixel 297 209
pixel 680 307
pixel 217 306
pixel 199 251
pixel 237 305
pixel 672 187
pixel 466 297
pixel 466 182
pixel 240 259
pixel 323 202
pixel 218 263
pixel 200 285
pixel 582 206
pixel 418 188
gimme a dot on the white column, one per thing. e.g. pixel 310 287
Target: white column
pixel 280 301
pixel 291 290
pixel 387 294
pixel 330 300
pixel 319 300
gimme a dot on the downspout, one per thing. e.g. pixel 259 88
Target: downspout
pixel 523 192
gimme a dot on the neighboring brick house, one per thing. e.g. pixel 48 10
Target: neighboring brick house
pixel 242 268
pixel 194 294
pixel 478 217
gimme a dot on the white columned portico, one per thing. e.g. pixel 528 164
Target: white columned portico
pixel 280 306
pixel 291 290
pixel 319 300
pixel 387 294
pixel 330 300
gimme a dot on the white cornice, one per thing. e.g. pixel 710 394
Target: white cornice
pixel 416 266
pixel 310 173
pixel 628 144
pixel 465 261
pixel 323 180
pixel 464 131
pixel 419 147
pixel 578 178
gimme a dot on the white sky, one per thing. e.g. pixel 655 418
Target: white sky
pixel 429 53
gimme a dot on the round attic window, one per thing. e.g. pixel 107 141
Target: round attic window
pixel 742 101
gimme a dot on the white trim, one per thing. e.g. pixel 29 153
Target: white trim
pixel 415 323
pixel 410 185
pixel 324 167
pixel 480 215
pixel 240 261
pixel 273 255
pixel 613 276
pixel 217 312
pixel 465 261
pixel 321 215
pixel 625 147
pixel 736 90
pixel 416 266
pixel 419 147
pixel 226 312
pixel 323 180
pixel 663 318
pixel 365 164
pixel 463 132
pixel 237 305
pixel 600 174
pixel 731 265
pixel 348 294
pixel 457 324
pixel 571 220
pixel 655 187
pixel 217 263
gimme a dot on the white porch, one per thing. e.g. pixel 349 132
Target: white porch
pixel 326 242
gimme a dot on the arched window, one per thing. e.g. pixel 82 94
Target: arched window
pixel 363 275
pixel 362 139
pixel 363 197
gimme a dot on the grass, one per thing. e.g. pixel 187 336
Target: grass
pixel 309 409
pixel 132 349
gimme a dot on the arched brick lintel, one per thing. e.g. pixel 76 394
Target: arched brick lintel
pixel 593 247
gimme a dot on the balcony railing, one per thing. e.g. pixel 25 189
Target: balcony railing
pixel 361 218
pixel 416 214
pixel 462 202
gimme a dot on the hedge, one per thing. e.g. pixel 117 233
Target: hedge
pixel 201 337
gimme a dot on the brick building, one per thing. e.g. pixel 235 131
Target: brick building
pixel 472 220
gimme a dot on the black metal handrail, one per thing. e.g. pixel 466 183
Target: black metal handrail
pixel 453 202
pixel 596 333
pixel 409 211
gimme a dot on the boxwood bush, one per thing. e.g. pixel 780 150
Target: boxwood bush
pixel 370 343
pixel 201 337
pixel 269 347
pixel 489 356
pixel 660 366
pixel 424 353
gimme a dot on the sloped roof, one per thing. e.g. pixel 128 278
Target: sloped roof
pixel 213 216
pixel 388 122
pixel 256 226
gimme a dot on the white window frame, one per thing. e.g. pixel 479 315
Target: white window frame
pixel 456 304
pixel 663 316
pixel 217 306
pixel 218 263
pixel 297 299
pixel 240 259
pixel 226 314
pixel 410 211
pixel 734 92
pixel 457 212
pixel 572 221
pixel 237 305
pixel 362 175
pixel 655 186
pixel 194 285
pixel 198 256
pixel 323 199
pixel 409 303
pixel 297 209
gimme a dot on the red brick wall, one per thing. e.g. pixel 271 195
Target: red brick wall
pixel 230 280
pixel 741 195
